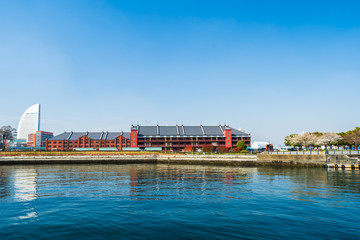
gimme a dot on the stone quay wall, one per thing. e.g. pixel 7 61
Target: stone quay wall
pixel 78 159
pixel 236 160
pixel 292 160
pixel 226 159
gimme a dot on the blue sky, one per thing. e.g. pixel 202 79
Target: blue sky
pixel 269 67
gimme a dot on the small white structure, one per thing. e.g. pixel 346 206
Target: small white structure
pixel 29 122
pixel 259 145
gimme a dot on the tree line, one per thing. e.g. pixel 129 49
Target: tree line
pixel 6 134
pixel 328 139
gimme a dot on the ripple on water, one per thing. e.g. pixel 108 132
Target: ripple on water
pixel 163 201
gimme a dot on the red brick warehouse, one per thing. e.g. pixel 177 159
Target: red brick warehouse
pixel 168 138
pixel 68 141
pixel 176 138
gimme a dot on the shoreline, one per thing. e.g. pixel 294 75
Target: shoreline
pixel 188 159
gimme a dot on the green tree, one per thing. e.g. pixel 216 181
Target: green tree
pixel 6 134
pixel 288 140
pixel 241 144
pixel 342 142
pixel 318 137
pixel 353 137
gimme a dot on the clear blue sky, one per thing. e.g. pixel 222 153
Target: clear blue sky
pixel 269 67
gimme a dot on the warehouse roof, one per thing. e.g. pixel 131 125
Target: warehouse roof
pixel 184 131
pixel 91 135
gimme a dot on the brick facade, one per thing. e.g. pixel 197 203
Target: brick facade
pixel 179 138
pixel 133 137
pixel 228 138
pixel 168 138
pixel 38 139
pixel 85 141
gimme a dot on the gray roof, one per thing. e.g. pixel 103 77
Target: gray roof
pixel 236 132
pixel 193 131
pixel 61 136
pixel 76 135
pixel 113 135
pixel 91 135
pixel 168 131
pixel 213 130
pixel 95 135
pixel 179 131
pixel 147 130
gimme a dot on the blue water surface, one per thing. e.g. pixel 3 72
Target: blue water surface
pixel 150 201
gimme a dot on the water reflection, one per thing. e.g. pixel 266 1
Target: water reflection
pixel 4 182
pixel 26 183
pixel 313 182
pixel 19 183
pixel 158 201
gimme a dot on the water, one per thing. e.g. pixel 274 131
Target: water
pixel 177 202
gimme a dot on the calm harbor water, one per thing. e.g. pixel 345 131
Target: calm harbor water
pixel 151 201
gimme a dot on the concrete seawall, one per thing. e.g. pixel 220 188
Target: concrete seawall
pixel 235 160
pixel 291 160
pixel 73 159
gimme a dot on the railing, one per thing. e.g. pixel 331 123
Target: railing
pixel 342 152
pixel 316 152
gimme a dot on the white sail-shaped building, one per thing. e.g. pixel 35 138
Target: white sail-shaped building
pixel 29 122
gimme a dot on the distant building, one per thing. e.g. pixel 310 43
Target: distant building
pixel 262 146
pixel 163 138
pixel 69 141
pixel 38 139
pixel 29 123
pixel 176 138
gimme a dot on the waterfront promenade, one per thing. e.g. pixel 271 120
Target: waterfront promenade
pixel 211 159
